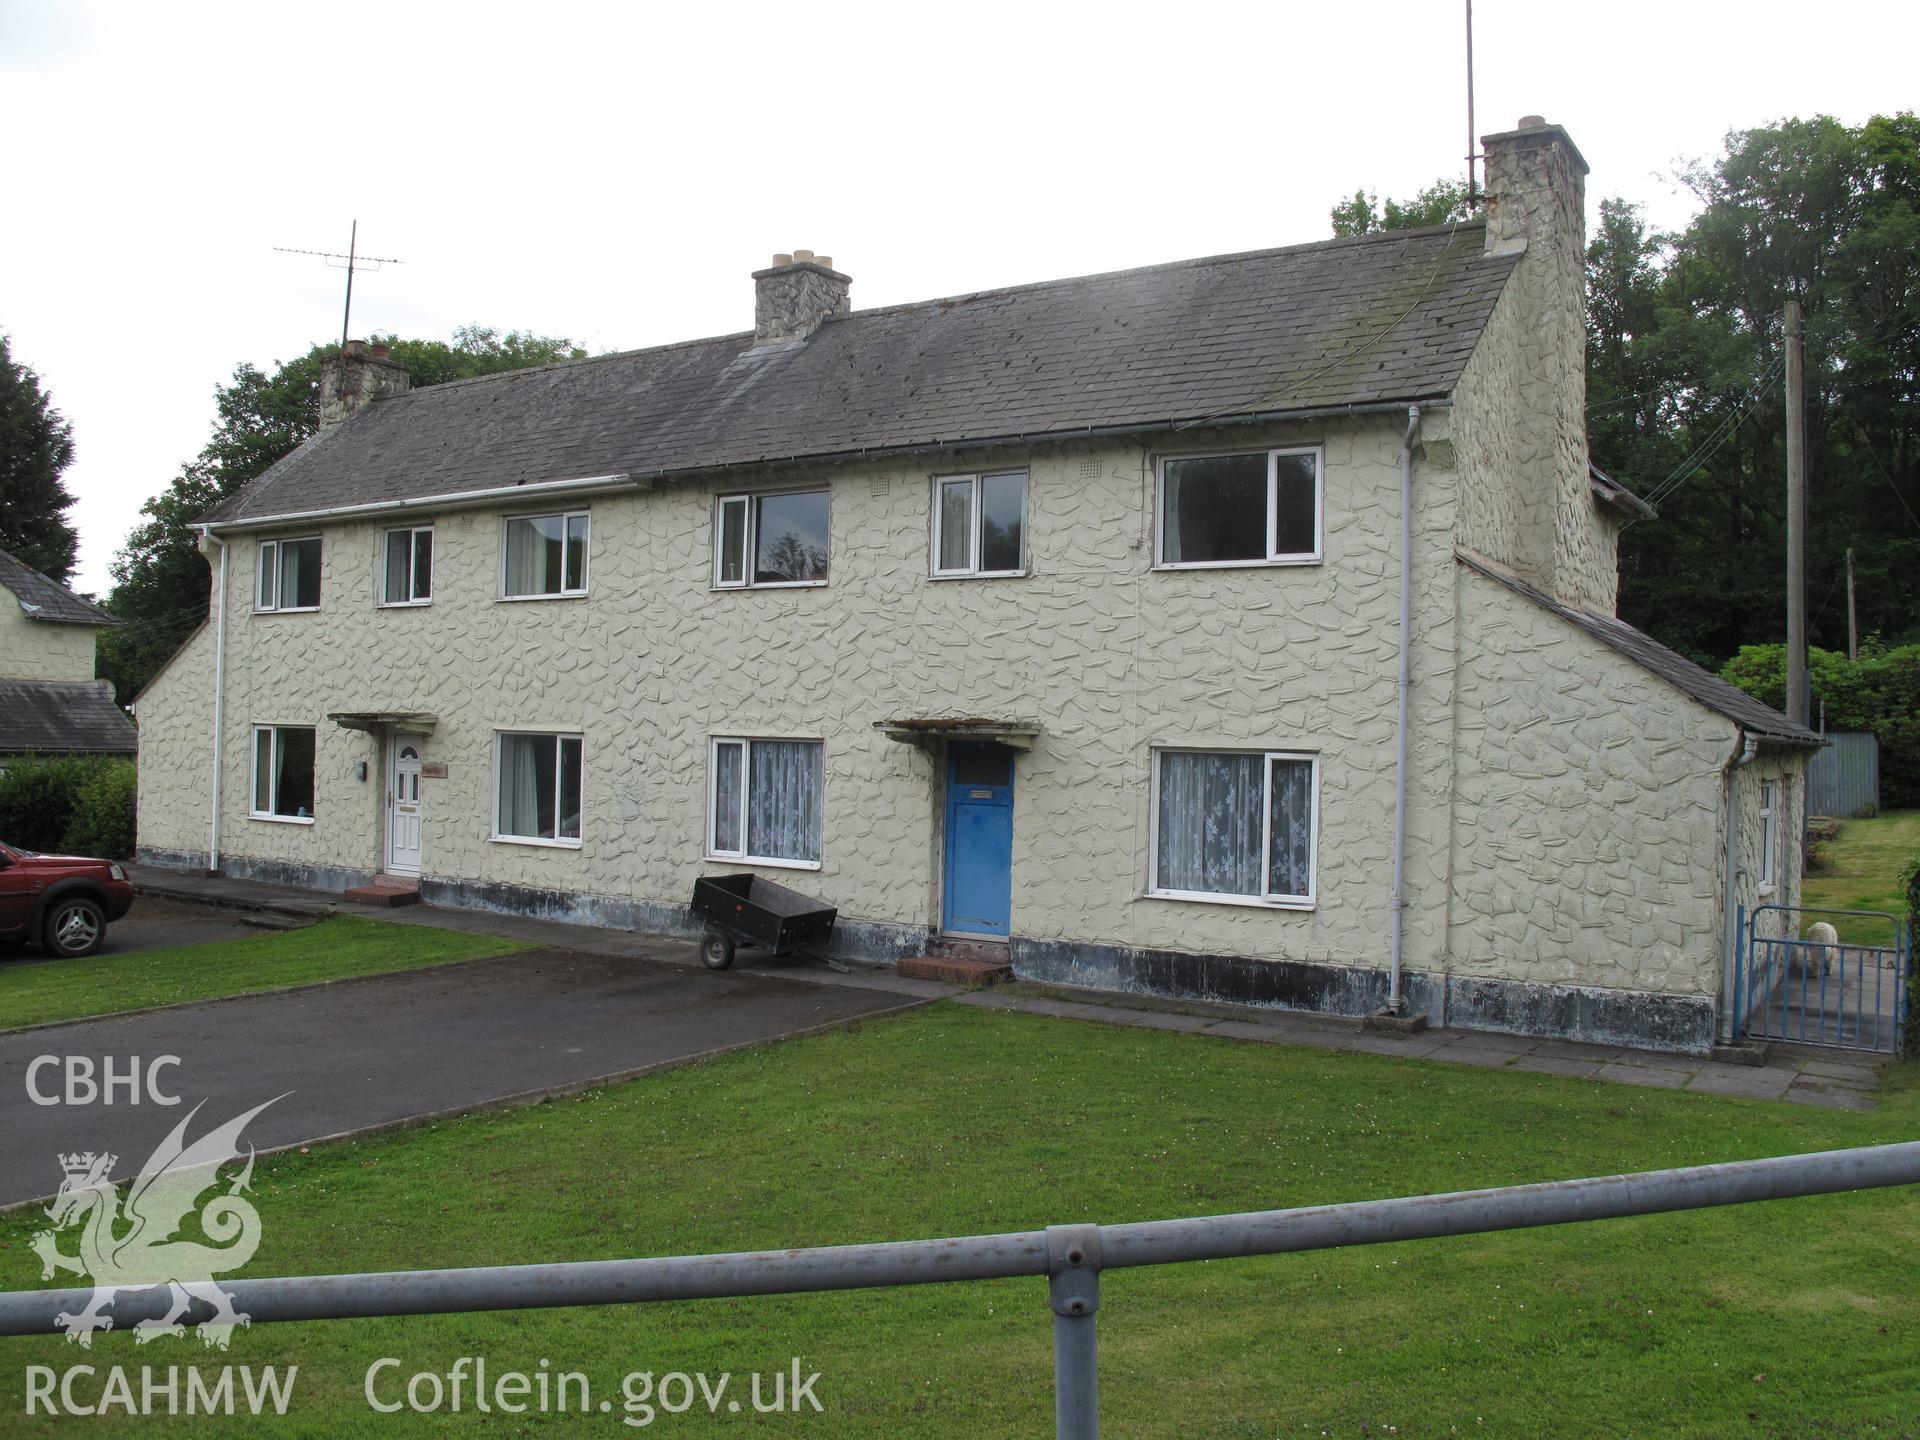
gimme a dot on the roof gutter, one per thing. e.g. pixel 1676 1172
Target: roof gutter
pixel 584 485
pixel 1049 437
pixel 643 479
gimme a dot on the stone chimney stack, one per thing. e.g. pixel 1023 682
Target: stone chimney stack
pixel 795 295
pixel 1536 206
pixel 355 378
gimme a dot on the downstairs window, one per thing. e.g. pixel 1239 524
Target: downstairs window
pixel 1232 824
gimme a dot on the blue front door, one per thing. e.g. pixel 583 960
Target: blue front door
pixel 979 888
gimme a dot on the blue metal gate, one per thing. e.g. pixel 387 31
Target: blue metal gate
pixel 1817 992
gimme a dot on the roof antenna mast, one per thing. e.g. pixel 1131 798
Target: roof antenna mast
pixel 354 261
pixel 1473 192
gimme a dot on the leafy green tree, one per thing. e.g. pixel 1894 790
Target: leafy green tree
pixel 1440 202
pixel 161 581
pixel 36 446
pixel 1684 362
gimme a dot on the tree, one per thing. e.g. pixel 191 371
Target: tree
pixel 1440 202
pixel 161 582
pixel 36 446
pixel 1684 358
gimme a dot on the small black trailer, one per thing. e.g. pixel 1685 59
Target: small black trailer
pixel 748 910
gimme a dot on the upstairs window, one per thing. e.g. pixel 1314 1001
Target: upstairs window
pixel 764 801
pixel 408 570
pixel 1249 509
pixel 774 539
pixel 289 575
pixel 282 772
pixel 1235 825
pixel 979 524
pixel 544 556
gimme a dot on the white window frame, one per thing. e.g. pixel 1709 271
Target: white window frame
pixel 747 742
pixel 266 547
pixel 566 519
pixel 976 519
pixel 273 764
pixel 1769 834
pixel 750 537
pixel 412 532
pixel 556 734
pixel 1266 900
pixel 1273 557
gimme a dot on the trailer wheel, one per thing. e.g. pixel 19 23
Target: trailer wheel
pixel 716 950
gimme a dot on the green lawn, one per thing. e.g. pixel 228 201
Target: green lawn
pixel 32 991
pixel 1863 869
pixel 1792 1319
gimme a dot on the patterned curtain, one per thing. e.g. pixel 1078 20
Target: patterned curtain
pixel 783 800
pixel 1209 823
pixel 1292 821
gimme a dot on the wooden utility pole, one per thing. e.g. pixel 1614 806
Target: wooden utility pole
pixel 1797 708
pixel 1853 637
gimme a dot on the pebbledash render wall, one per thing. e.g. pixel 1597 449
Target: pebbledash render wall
pixel 1109 657
pixel 1535 900
pixel 42 649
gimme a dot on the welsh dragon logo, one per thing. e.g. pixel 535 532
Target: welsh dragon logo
pixel 135 1245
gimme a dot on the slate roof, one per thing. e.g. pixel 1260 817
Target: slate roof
pixel 1381 318
pixel 1759 720
pixel 63 717
pixel 43 598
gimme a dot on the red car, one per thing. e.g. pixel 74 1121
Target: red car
pixel 63 902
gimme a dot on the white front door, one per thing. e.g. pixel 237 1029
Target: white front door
pixel 403 806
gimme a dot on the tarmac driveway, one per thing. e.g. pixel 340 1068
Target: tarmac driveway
pixel 391 1048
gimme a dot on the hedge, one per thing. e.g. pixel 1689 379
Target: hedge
pixel 72 805
pixel 1879 692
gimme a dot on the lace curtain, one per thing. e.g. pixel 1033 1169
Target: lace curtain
pixel 1210 832
pixel 783 800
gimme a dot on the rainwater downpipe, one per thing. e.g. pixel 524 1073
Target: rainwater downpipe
pixel 219 698
pixel 1398 902
pixel 1730 922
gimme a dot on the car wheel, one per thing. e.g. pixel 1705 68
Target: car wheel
pixel 75 927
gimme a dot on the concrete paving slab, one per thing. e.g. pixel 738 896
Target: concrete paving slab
pixel 1414 1046
pixel 1494 1040
pixel 1642 1075
pixel 1558 1065
pixel 1654 1060
pixel 391 1049
pixel 1250 1030
pixel 1458 1054
pixel 1842 1070
pixel 1578 1050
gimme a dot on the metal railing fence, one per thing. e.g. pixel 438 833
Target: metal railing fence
pixel 1072 1257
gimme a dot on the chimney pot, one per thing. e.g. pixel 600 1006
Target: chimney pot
pixel 1532 122
pixel 824 261
pixel 379 352
pixel 781 258
pixel 354 347
pixel 802 257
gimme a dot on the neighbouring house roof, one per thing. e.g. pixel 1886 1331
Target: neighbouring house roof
pixel 44 598
pixel 1610 491
pixel 63 717
pixel 1757 719
pixel 1380 318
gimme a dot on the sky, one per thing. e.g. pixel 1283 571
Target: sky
pixel 614 172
